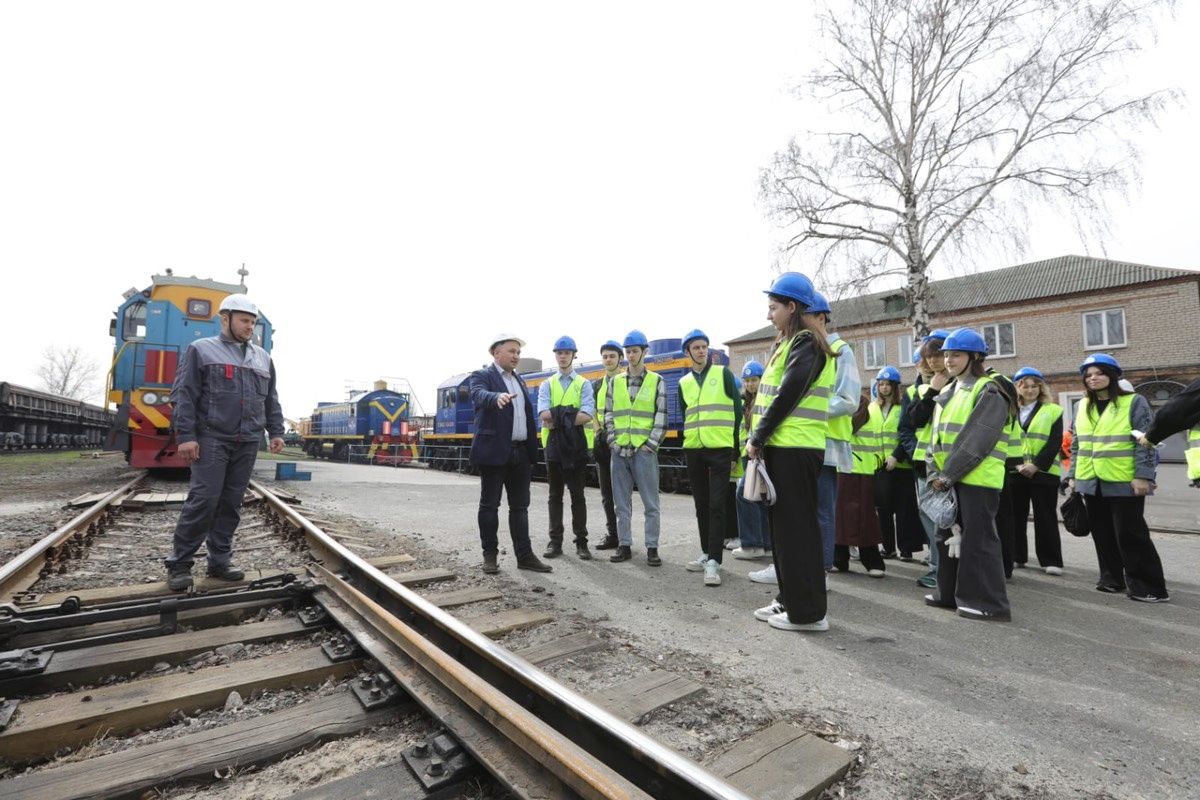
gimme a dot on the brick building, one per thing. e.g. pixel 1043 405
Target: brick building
pixel 1047 314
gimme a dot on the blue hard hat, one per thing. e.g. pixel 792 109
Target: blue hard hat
pixel 693 335
pixel 937 333
pixel 965 340
pixel 1028 372
pixel 1099 358
pixel 917 356
pixel 819 305
pixel 612 344
pixel 793 286
pixel 752 369
pixel 565 343
pixel 737 382
pixel 888 373
pixel 636 338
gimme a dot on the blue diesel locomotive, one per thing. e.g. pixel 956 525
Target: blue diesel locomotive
pixel 376 420
pixel 448 446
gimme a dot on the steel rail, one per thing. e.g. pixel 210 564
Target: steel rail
pixel 23 571
pixel 636 756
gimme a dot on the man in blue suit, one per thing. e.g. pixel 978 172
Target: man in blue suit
pixel 504 449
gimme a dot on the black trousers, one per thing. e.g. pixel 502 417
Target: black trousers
pixel 731 522
pixel 1127 556
pixel 1043 496
pixel 799 553
pixel 573 481
pixel 870 556
pixel 976 578
pixel 896 506
pixel 1005 522
pixel 513 479
pixel 603 458
pixel 708 473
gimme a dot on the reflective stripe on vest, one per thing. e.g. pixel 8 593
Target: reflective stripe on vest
pixel 1038 434
pixel 948 422
pixel 1193 453
pixel 926 430
pixel 1016 445
pixel 840 428
pixel 864 444
pixel 571 396
pixel 708 420
pixel 889 434
pixel 634 419
pixel 805 425
pixel 1106 445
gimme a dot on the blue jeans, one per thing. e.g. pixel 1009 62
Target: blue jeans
pixel 927 524
pixel 754 522
pixel 827 510
pixel 641 469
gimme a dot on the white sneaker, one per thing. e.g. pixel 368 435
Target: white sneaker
pixel 748 553
pixel 875 573
pixel 854 554
pixel 781 622
pixel 697 565
pixel 766 612
pixel 732 543
pixel 712 573
pixel 765 575
pixel 1054 570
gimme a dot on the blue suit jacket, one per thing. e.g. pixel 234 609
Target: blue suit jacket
pixel 493 426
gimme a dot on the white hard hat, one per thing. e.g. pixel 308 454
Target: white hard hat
pixel 1126 385
pixel 239 302
pixel 505 337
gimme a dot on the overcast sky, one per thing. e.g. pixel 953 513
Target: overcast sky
pixel 404 180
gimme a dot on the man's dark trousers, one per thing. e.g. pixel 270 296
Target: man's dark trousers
pixel 212 510
pixel 603 458
pixel 573 480
pixel 513 479
pixel 708 472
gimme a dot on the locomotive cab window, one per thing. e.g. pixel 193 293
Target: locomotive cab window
pixel 260 330
pixel 201 309
pixel 135 322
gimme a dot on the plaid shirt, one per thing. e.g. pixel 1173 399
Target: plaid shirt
pixel 660 417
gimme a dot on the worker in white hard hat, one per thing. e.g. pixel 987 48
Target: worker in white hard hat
pixel 223 398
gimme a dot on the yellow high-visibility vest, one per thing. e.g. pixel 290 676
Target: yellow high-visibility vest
pixel 634 419
pixel 571 396
pixel 708 420
pixel 1038 434
pixel 1106 446
pixel 949 420
pixel 805 426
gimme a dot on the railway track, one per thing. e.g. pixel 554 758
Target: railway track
pixel 101 670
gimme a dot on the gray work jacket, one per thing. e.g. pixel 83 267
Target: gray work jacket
pixel 223 392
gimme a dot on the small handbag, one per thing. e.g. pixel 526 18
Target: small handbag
pixel 1075 516
pixel 941 507
pixel 757 487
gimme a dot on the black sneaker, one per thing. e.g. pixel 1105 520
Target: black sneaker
pixel 226 573
pixel 608 543
pixel 888 554
pixel 652 557
pixel 623 554
pixel 533 564
pixel 490 567
pixel 1149 598
pixel 553 550
pixel 179 580
pixel 581 550
pixel 1109 588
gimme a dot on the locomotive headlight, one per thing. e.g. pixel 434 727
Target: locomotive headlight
pixel 150 398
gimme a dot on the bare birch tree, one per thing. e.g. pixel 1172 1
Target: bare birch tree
pixel 956 114
pixel 67 372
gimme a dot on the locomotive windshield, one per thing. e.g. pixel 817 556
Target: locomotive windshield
pixel 135 322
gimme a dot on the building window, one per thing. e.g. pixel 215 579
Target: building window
pixel 1000 340
pixel 1103 329
pixel 905 346
pixel 874 352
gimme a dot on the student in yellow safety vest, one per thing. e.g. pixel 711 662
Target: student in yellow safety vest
pixel 1037 479
pixel 711 409
pixel 933 378
pixel 610 355
pixel 754 531
pixel 1014 458
pixel 635 421
pixel 1180 413
pixel 566 407
pixel 857 522
pixel 1114 476
pixel 895 492
pixel 967 448
pixel 789 435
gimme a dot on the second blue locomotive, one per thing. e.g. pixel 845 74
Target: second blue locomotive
pixel 373 425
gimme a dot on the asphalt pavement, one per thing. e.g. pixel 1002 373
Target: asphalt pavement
pixel 1082 694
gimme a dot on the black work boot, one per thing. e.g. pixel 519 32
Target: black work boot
pixel 609 542
pixel 179 579
pixel 490 567
pixel 553 550
pixel 623 553
pixel 226 573
pixel 652 557
pixel 581 550
pixel 533 563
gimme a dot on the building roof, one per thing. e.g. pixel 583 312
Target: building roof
pixel 1036 280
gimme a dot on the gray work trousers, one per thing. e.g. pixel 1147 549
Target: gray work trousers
pixel 212 510
pixel 975 579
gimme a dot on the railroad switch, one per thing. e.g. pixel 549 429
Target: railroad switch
pixel 376 690
pixel 18 663
pixel 340 647
pixel 439 761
